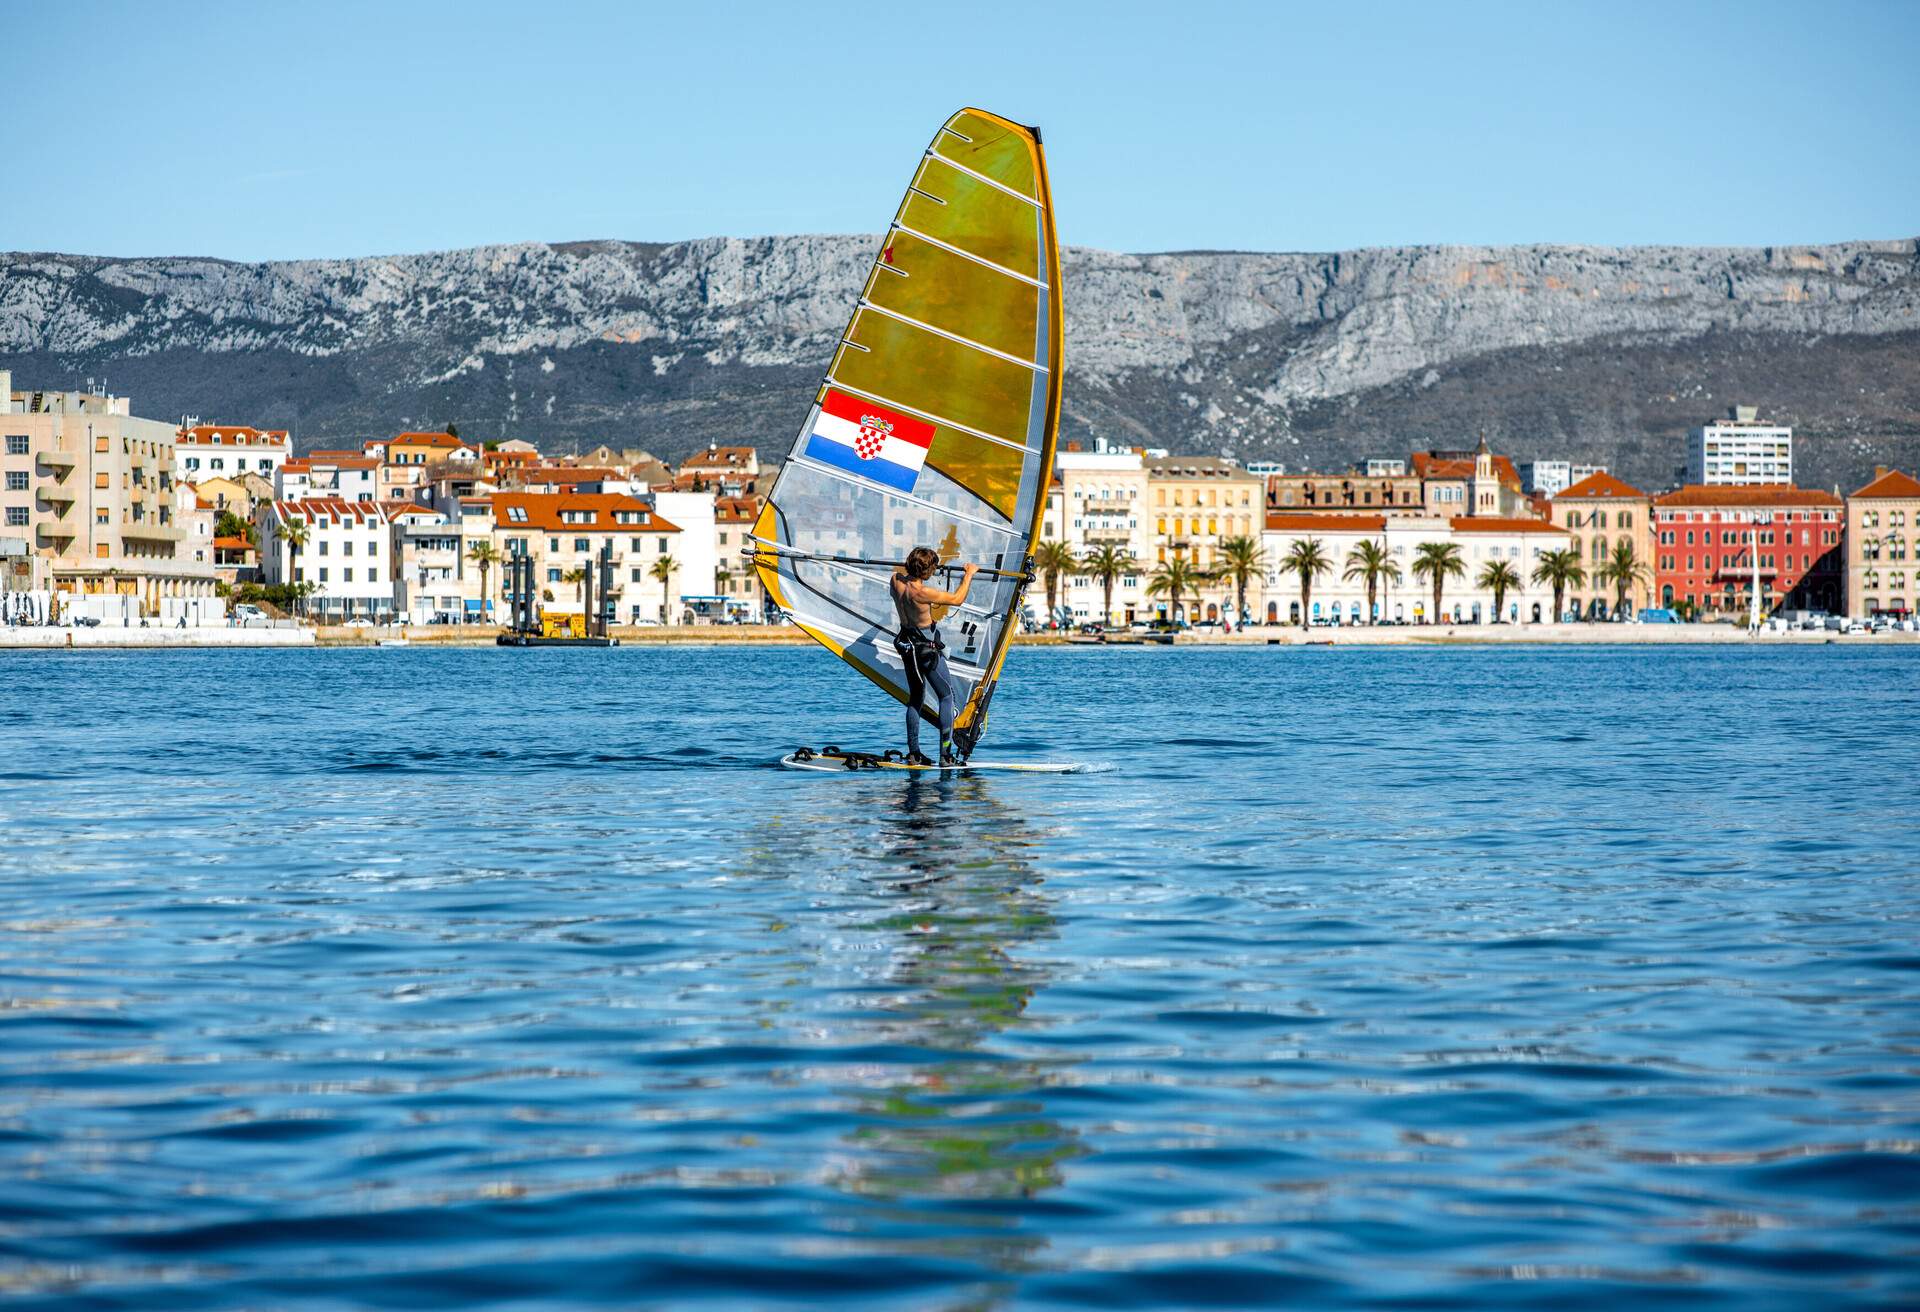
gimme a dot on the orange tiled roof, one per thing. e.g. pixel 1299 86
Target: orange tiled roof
pixel 1601 485
pixel 545 510
pixel 1425 464
pixel 1292 522
pixel 1746 494
pixel 736 510
pixel 339 460
pixel 233 543
pixel 339 508
pixel 426 439
pixel 1490 524
pixel 1892 485
pixel 720 457
pixel 229 435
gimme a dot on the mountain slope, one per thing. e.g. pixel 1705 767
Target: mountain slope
pixel 1609 354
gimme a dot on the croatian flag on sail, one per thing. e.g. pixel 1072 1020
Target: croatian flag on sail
pixel 863 438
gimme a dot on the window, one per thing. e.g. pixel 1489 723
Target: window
pixel 346 548
pixel 582 544
pixel 16 516
pixel 102 516
pixel 16 444
pixel 373 576
pixel 100 479
pixel 346 575
pixel 663 546
pixel 516 514
pixel 553 544
pixel 323 550
pixel 102 550
pixel 553 573
pixel 16 480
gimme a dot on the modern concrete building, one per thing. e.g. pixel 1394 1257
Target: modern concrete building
pixel 1883 546
pixel 1706 553
pixel 1599 513
pixel 1740 450
pixel 345 475
pixel 91 488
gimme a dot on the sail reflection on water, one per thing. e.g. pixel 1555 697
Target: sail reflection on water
pixel 962 973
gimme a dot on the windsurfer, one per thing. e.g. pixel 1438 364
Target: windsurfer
pixel 920 646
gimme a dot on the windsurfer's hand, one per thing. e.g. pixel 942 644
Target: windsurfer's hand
pixel 970 570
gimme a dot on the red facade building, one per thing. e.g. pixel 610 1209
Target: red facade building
pixel 1704 548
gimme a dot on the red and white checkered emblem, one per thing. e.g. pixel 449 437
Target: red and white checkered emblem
pixel 872 435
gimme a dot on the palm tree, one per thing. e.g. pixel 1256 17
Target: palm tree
pixel 1053 559
pixel 577 577
pixel 1502 578
pixel 294 533
pixel 662 571
pixel 1371 562
pixel 1107 564
pixel 1308 558
pixel 1241 559
pixel 1438 562
pixel 482 554
pixel 1622 570
pixel 1173 580
pixel 1560 570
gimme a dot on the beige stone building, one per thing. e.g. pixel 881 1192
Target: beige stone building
pixel 1475 482
pixel 91 488
pixel 1883 546
pixel 1351 493
pixel 1600 512
pixel 1199 502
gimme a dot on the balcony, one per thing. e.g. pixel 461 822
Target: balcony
pixel 57 457
pixel 51 532
pixel 51 495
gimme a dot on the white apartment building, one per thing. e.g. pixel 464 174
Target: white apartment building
pixel 347 556
pixel 206 451
pixel 1740 449
pixel 1552 477
pixel 696 550
pixel 346 476
pixel 1099 500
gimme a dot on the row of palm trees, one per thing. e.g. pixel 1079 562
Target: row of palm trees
pixel 1240 560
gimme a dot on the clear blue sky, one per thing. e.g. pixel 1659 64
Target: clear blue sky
pixel 276 130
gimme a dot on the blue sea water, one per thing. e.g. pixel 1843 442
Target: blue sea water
pixel 1570 978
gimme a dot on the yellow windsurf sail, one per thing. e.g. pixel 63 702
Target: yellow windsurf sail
pixel 935 424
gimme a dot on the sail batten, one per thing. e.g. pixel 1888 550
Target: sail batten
pixel 935 423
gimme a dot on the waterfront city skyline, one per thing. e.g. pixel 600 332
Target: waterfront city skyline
pixel 367 131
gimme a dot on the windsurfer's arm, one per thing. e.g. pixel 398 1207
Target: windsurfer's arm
pixel 937 598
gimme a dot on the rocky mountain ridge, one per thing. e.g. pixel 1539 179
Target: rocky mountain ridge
pixel 1314 359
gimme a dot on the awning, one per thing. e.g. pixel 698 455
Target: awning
pixel 687 597
pixel 473 605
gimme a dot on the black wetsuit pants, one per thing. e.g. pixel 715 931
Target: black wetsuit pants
pixel 926 663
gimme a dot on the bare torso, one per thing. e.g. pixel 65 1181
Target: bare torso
pixel 909 598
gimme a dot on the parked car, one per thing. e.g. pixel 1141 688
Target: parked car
pixel 358 624
pixel 249 616
pixel 1166 626
pixel 1093 627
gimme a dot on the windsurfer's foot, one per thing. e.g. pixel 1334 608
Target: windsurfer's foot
pixel 951 755
pixel 919 758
